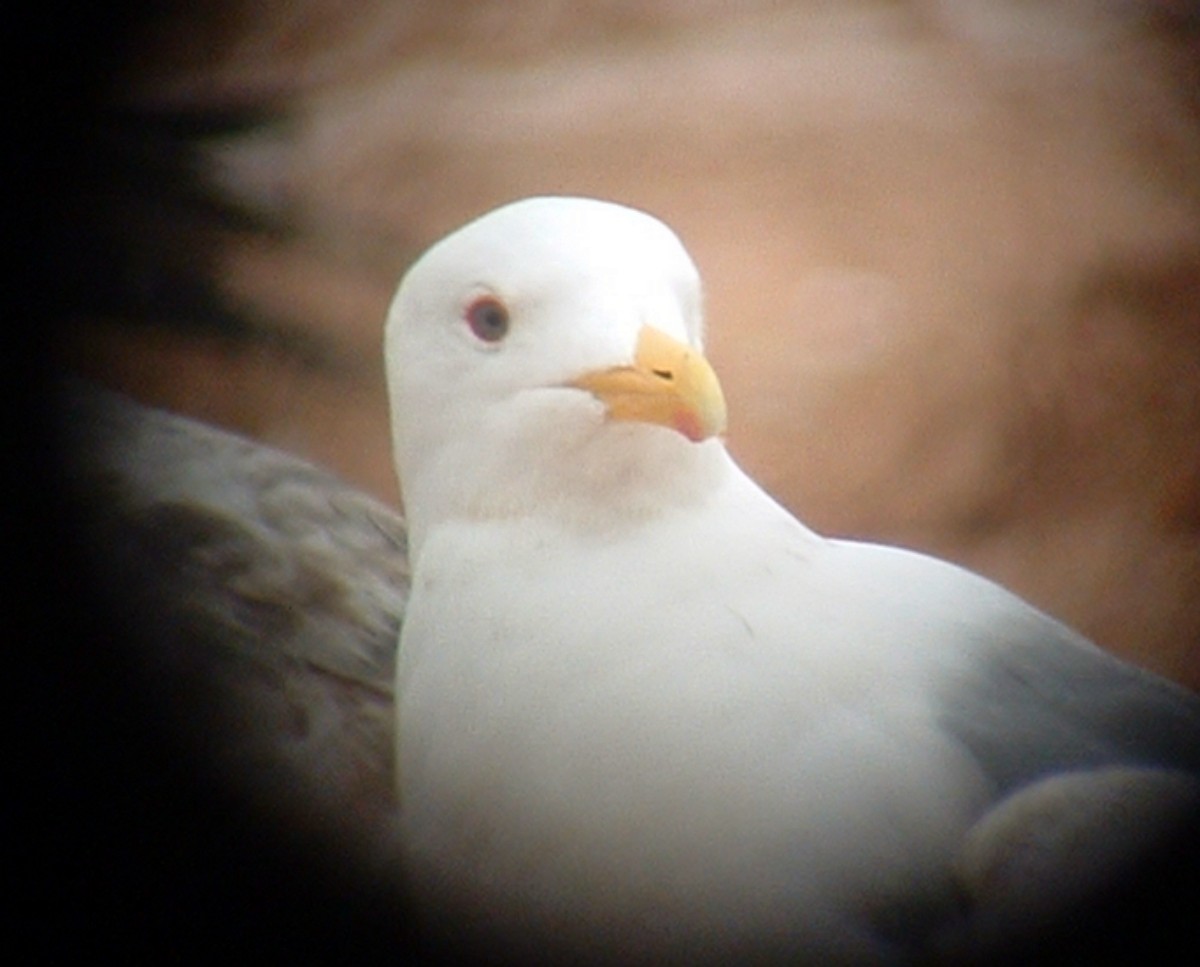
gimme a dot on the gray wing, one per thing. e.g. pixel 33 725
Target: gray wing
pixel 1096 770
pixel 264 597
pixel 1043 700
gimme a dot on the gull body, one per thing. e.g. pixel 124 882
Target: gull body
pixel 642 711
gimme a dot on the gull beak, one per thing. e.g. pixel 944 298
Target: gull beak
pixel 669 383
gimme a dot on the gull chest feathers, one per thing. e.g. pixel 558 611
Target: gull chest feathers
pixel 644 713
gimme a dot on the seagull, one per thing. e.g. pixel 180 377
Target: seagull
pixel 643 714
pixel 260 597
pixel 210 756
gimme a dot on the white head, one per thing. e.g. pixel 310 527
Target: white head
pixel 543 356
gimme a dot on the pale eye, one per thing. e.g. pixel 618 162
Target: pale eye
pixel 488 318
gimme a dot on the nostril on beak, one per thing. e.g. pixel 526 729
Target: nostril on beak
pixel 664 374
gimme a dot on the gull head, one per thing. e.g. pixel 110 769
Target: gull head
pixel 548 353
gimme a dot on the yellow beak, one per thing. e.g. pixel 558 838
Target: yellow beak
pixel 669 384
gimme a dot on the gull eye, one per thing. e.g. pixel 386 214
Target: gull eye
pixel 488 318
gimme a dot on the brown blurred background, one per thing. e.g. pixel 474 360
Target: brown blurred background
pixel 951 249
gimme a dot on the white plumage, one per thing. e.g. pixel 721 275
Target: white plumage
pixel 642 711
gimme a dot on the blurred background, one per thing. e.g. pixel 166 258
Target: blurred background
pixel 951 247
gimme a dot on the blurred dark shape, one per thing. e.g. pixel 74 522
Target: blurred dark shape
pixel 212 720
